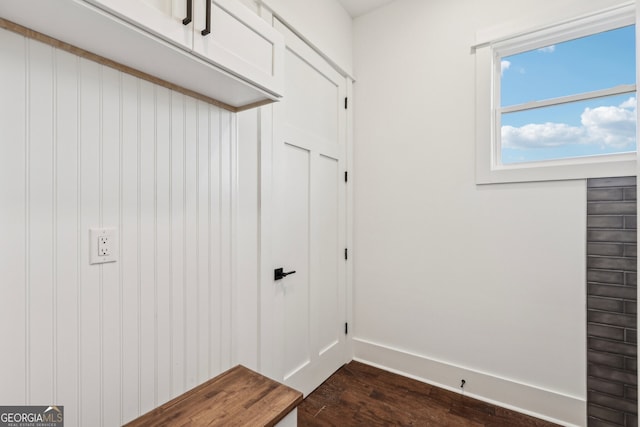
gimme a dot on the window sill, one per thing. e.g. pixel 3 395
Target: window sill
pixel 592 167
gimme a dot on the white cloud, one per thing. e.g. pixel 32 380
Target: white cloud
pixel 607 126
pixel 504 65
pixel 611 126
pixel 548 49
pixel 630 103
pixel 543 135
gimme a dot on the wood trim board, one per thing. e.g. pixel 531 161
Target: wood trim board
pixel 43 38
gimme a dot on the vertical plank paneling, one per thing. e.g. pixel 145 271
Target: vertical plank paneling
pixel 215 237
pixel 203 248
pixel 191 244
pixel 177 220
pixel 85 146
pixel 110 202
pixel 146 230
pixel 163 242
pixel 40 221
pixel 54 225
pixel 13 225
pixel 90 284
pixel 225 192
pixel 67 247
pixel 130 322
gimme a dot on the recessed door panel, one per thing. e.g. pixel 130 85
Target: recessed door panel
pixel 312 98
pixel 326 283
pixel 295 231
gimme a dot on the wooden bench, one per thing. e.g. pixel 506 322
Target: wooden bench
pixel 237 397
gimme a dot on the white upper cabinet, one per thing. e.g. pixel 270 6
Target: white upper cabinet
pixel 239 62
pixel 239 39
pixel 160 17
pixel 227 34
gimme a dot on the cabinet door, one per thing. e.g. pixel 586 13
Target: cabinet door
pixel 240 42
pixel 163 18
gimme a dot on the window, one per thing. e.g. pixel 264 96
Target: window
pixel 561 101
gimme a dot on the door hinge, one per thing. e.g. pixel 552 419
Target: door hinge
pixel 346 328
pixel 346 102
pixel 346 253
pixel 346 176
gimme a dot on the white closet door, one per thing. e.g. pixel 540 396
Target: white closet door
pixel 309 236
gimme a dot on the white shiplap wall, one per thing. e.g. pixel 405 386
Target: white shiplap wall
pixel 83 145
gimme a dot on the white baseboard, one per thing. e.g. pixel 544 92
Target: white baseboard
pixel 545 404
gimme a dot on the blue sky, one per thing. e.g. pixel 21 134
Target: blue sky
pixel 600 126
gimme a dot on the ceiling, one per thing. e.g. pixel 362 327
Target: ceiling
pixel 360 7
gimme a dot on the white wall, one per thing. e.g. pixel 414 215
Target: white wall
pixel 454 280
pixel 83 145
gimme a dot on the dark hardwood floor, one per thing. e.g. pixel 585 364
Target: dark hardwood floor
pixel 361 395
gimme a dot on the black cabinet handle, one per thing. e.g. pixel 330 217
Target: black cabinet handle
pixel 207 28
pixel 279 273
pixel 187 20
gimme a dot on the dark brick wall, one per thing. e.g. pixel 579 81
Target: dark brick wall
pixel 611 302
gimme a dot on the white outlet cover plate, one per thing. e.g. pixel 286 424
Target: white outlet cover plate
pixel 112 235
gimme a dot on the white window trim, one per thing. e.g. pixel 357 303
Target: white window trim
pixel 492 45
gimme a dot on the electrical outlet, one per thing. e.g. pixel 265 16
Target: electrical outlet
pixel 102 245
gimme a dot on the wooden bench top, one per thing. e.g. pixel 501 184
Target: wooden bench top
pixel 237 397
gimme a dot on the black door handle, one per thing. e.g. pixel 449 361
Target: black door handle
pixel 207 28
pixel 187 20
pixel 279 273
